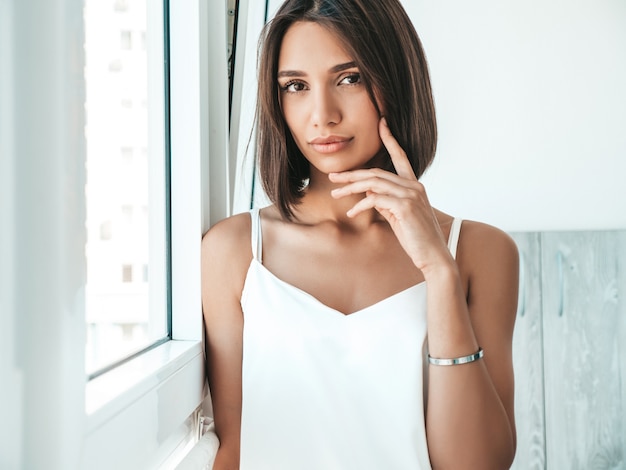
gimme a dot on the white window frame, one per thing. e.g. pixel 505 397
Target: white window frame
pixel 248 191
pixel 251 16
pixel 11 389
pixel 162 400
pixel 54 419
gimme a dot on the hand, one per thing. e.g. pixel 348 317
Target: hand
pixel 401 199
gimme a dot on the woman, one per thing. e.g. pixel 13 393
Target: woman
pixel 345 321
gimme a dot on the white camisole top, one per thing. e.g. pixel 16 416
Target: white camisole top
pixel 322 390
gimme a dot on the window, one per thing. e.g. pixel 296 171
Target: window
pixel 106 230
pixel 126 212
pixel 115 65
pixel 126 152
pixel 143 411
pixel 121 5
pixel 125 311
pixel 127 273
pixel 126 43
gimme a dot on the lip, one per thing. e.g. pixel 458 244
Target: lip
pixel 330 144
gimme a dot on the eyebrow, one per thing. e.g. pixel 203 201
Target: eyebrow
pixel 333 69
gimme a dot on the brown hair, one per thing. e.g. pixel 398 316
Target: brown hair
pixel 382 41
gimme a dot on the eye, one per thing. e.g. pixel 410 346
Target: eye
pixel 294 86
pixel 353 78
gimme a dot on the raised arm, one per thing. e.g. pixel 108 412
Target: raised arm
pixel 471 304
pixel 470 417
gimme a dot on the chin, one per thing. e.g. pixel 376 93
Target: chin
pixel 337 163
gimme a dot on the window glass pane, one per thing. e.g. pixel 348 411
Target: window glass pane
pixel 126 179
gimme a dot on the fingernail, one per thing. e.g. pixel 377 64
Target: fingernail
pixel 384 121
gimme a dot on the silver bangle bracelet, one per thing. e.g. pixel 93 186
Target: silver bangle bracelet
pixel 457 360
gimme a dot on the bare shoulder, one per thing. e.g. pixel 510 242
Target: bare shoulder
pixel 230 235
pixel 488 259
pixel 485 247
pixel 482 247
pixel 226 254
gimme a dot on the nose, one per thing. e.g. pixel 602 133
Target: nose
pixel 325 108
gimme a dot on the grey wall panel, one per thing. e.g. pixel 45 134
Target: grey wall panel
pixel 582 360
pixel 621 345
pixel 528 358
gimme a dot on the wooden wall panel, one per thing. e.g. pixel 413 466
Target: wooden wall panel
pixel 621 345
pixel 583 357
pixel 528 358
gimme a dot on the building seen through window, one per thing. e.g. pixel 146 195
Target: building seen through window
pixel 125 215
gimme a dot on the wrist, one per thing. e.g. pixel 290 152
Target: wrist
pixel 444 272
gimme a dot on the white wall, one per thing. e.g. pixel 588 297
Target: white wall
pixel 41 129
pixel 531 110
pixel 531 105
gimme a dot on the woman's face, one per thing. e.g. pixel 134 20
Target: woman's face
pixel 325 103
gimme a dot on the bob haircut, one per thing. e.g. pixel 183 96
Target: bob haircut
pixel 382 41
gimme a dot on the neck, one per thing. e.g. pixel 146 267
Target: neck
pixel 318 205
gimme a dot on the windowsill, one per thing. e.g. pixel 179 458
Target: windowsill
pixel 109 394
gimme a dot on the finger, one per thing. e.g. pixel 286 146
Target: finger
pixel 365 204
pixel 396 152
pixel 358 175
pixel 378 186
pixel 382 203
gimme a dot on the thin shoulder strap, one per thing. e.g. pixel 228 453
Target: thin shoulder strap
pixel 453 239
pixel 256 237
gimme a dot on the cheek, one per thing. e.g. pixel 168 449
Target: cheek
pixel 368 112
pixel 290 114
pixel 370 125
